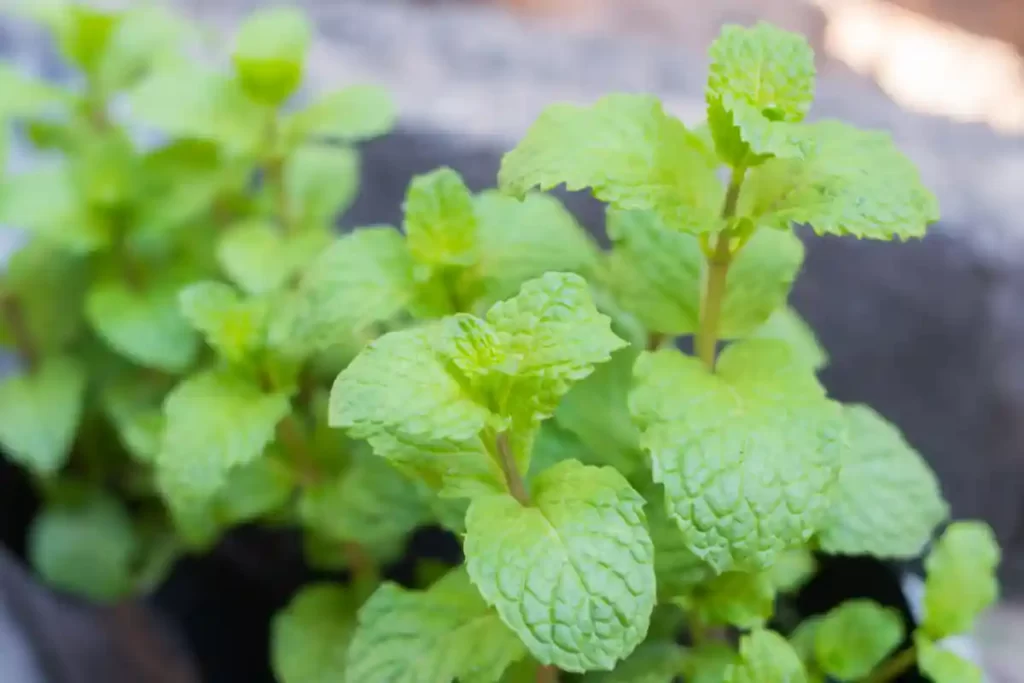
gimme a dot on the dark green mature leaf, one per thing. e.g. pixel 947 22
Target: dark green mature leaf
pixel 39 414
pixel 629 151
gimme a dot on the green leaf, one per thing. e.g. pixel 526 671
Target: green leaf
pixel 270 50
pixel 440 222
pixel 943 666
pixel 25 96
pixel 259 258
pixel 792 569
pixel 47 284
pixel 961 581
pixel 215 422
pixel 145 38
pixel 850 182
pixel 652 662
pixel 678 570
pixel 630 153
pixel 143 323
pixel 444 633
pixel 45 202
pixel 39 414
pixel 573 573
pixel 749 455
pixel 363 278
pixel 786 325
pixel 760 82
pixel 854 638
pixel 741 599
pixel 888 501
pixel 658 274
pixel 85 546
pixel 352 114
pixel 522 240
pixel 557 336
pixel 254 489
pixel 83 34
pixel 133 407
pixel 232 326
pixel 320 182
pixel 709 662
pixel 187 102
pixel 310 637
pixel 371 504
pixel 766 657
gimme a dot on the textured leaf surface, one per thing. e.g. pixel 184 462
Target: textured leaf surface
pixel 573 574
pixel 435 636
pixel 851 182
pixel 363 278
pixel 522 240
pixel 658 274
pixel 39 414
pixel 630 153
pixel 888 501
pixel 761 81
pixel 260 259
pixel 942 666
pixel 270 49
pixel 854 638
pixel 215 421
pixel 742 599
pixel 748 455
pixel 786 325
pixel 766 657
pixel 678 570
pixel 440 221
pixel 233 327
pixel 961 580
pixel 321 182
pixel 85 547
pixel 144 325
pixel 355 113
pixel 310 637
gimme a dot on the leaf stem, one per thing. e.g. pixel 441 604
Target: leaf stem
pixel 547 673
pixel 718 272
pixel 894 666
pixel 508 465
pixel 14 315
pixel 291 436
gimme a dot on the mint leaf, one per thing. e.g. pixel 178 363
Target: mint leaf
pixel 942 666
pixel 187 102
pixel 573 574
pixel 766 657
pixel 309 638
pixel 522 240
pixel 961 581
pixel 45 201
pixel 709 662
pixel 215 422
pixel 678 570
pixel 254 489
pixel 786 325
pixel 321 182
pixel 658 274
pixel 888 501
pixel 748 455
pixel 352 114
pixel 792 569
pixel 270 50
pixel 85 546
pixel 363 278
pixel 371 504
pixel 760 82
pixel 854 638
pixel 443 633
pixel 652 662
pixel 134 408
pixel 850 182
pixel 741 599
pixel 83 34
pixel 39 414
pixel 557 336
pixel 233 327
pixel 630 153
pixel 440 222
pixel 259 258
pixel 145 38
pixel 25 96
pixel 144 323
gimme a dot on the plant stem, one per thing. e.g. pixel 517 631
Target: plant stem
pixel 547 674
pixel 893 667
pixel 508 465
pixel 292 438
pixel 13 314
pixel 718 272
